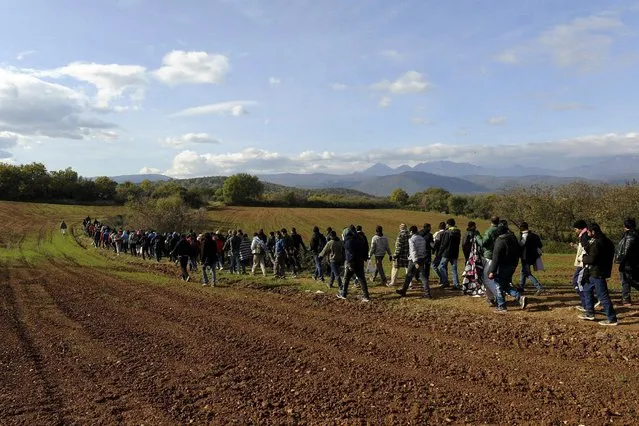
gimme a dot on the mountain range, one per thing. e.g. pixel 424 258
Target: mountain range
pixel 380 179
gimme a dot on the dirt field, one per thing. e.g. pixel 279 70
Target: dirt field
pixel 89 338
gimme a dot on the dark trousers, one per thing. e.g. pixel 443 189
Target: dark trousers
pixel 503 281
pixel 335 274
pixel 599 287
pixel 627 282
pixel 422 272
pixel 319 274
pixel 379 269
pixel 355 269
pixel 184 263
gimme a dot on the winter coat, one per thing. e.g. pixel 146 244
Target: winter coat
pixel 401 249
pixel 416 248
pixel 600 256
pixel 379 246
pixel 182 248
pixel 208 251
pixel 451 239
pixel 318 241
pixel 297 242
pixel 363 239
pixel 506 252
pixel 354 249
pixel 334 248
pixel 531 247
pixel 469 239
pixel 270 244
pixel 258 246
pixel 245 249
pixel 488 242
pixel 627 255
pixel 581 249
pixel 437 241
pixel 280 247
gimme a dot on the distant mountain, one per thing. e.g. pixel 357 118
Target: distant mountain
pixel 496 183
pixel 378 169
pixel 314 180
pixel 612 167
pixel 412 182
pixel 139 178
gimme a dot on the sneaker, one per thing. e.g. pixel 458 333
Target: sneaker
pixel 341 296
pixel 541 292
pixel 580 308
pixel 205 284
pixel 427 296
pixel 390 284
pixel 188 278
pixel 597 305
pixel 366 299
pixel 500 311
pixel 523 302
pixel 587 317
pixel 444 285
pixel 610 323
pixel 627 303
pixel 401 292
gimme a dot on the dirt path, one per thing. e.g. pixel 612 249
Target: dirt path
pixel 83 346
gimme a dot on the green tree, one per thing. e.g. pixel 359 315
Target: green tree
pixel 457 204
pixel 241 188
pixel 436 200
pixel 399 196
pixel 105 188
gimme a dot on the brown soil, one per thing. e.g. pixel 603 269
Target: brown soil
pixel 81 346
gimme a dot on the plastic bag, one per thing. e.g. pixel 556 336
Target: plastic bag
pixel 370 269
pixel 539 265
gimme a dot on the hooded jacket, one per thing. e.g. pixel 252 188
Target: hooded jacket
pixel 506 252
pixel 451 239
pixel 601 253
pixel 401 248
pixel 416 248
pixel 258 246
pixel 208 251
pixel 488 242
pixel 334 248
pixel 379 246
pixel 354 249
pixel 627 255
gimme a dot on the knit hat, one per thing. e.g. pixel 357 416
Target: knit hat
pixel 580 224
pixel 402 227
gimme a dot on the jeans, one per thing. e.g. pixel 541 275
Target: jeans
pixel 205 278
pixel 491 286
pixel 436 261
pixel 379 268
pixel 319 273
pixel 579 280
pixel 279 266
pixel 600 287
pixel 627 281
pixel 503 279
pixel 355 269
pixel 234 266
pixel 525 273
pixel 423 271
pixel 443 272
pixel 335 274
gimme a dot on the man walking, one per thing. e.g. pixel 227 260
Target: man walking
pixel 258 249
pixel 488 244
pixel 598 261
pixel 627 257
pixel 208 258
pixel 334 248
pixel 580 277
pixel 506 256
pixel 379 248
pixel 400 257
pixel 449 251
pixel 318 241
pixel 530 252
pixel 418 265
pixel 182 251
pixel 355 255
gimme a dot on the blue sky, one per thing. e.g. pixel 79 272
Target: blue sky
pixel 196 88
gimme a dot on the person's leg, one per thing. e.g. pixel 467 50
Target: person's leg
pixel 625 287
pixel 601 288
pixel 205 278
pixel 255 260
pixel 394 271
pixel 361 275
pixel 348 274
pixel 443 272
pixel 409 278
pixel 263 264
pixel 424 272
pixel 454 272
pixel 318 268
pixel 489 285
pixel 523 274
pixel 588 294
pixel 334 274
pixel 184 260
pixel 379 264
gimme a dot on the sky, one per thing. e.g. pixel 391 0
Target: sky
pixel 213 87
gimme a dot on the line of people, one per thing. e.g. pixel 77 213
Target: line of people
pixel 490 259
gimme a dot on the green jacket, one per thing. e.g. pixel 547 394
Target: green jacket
pixel 335 251
pixel 488 242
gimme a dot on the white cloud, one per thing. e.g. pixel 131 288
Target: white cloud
pixel 384 102
pixel 20 56
pixel 571 106
pixel 189 138
pixel 190 163
pixel 497 121
pixel 180 67
pixel 411 82
pixel 421 120
pixel 31 107
pixel 390 54
pixel 339 86
pixel 584 43
pixel 149 171
pixel 234 108
pixel 274 82
pixel 111 81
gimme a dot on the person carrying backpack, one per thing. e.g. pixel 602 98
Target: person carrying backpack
pixel 258 248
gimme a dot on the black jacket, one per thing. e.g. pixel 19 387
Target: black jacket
pixel 449 247
pixel 208 251
pixel 354 249
pixel 182 248
pixel 600 256
pixel 467 245
pixel 506 252
pixel 318 241
pixel 530 249
pixel 627 255
pixel 364 241
pixel 428 238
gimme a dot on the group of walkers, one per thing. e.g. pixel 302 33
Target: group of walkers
pixel 490 259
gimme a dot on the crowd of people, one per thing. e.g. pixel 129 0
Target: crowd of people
pixel 490 259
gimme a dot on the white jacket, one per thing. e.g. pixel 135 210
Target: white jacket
pixel 258 246
pixel 416 247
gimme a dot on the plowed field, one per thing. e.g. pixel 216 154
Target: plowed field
pixel 90 338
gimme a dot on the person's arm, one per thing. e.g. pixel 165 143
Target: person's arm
pixel 371 252
pixel 388 248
